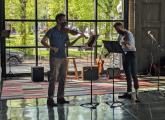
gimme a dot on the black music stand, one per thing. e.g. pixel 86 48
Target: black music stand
pixel 89 44
pixel 113 47
pixel 6 34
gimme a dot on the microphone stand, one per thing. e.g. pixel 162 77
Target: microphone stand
pixel 158 70
pixel 158 65
pixel 151 64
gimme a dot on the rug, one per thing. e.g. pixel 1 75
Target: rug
pixel 25 88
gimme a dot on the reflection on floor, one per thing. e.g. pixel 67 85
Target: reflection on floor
pixel 151 107
pixel 19 101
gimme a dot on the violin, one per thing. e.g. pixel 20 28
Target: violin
pixel 72 31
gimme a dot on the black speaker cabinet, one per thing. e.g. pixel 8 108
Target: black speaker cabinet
pixel 110 73
pixel 37 74
pixel 90 73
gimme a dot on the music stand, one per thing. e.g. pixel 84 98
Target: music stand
pixel 6 34
pixel 113 47
pixel 89 44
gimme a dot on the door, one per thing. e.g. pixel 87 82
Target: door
pixel 149 32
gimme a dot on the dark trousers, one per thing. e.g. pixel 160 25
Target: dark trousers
pixel 129 66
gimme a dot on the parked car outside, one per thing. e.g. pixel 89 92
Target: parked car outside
pixel 14 57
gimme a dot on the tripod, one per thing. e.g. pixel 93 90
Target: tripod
pixel 91 105
pixel 113 47
pixel 10 74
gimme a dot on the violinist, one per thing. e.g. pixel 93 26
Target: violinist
pixel 127 42
pixel 58 39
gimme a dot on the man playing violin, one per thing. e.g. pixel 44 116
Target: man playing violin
pixel 127 42
pixel 58 40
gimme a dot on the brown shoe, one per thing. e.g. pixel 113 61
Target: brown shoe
pixel 51 103
pixel 62 101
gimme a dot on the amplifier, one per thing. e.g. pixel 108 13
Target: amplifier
pixel 90 73
pixel 113 72
pixel 37 74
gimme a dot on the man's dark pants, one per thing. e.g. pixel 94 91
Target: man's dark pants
pixel 129 66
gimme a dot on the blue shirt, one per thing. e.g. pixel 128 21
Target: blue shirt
pixel 57 39
pixel 131 41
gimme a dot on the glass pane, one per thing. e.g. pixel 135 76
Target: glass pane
pixel 20 60
pixel 43 27
pixel 106 32
pixel 19 9
pixel 22 34
pixel 47 9
pixel 43 57
pixel 82 58
pixel 78 51
pixel 110 9
pixel 81 10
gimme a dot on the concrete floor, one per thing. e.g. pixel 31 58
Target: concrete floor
pixel 151 107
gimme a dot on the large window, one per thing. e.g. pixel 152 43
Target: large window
pixel 29 20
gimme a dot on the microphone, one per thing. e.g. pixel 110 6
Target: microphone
pixel 151 35
pixel 149 32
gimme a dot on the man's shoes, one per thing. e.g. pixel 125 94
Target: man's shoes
pixel 62 101
pixel 125 96
pixel 51 103
pixel 137 100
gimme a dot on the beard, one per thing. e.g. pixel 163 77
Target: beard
pixel 121 32
pixel 63 24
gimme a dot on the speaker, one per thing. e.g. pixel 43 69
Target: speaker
pixel 110 73
pixel 37 74
pixel 90 73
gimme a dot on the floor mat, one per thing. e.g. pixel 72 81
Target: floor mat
pixel 16 89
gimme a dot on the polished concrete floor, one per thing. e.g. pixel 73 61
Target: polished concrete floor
pixel 151 107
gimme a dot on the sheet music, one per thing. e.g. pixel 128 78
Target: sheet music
pixel 113 46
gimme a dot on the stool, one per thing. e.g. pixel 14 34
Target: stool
pixel 75 67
